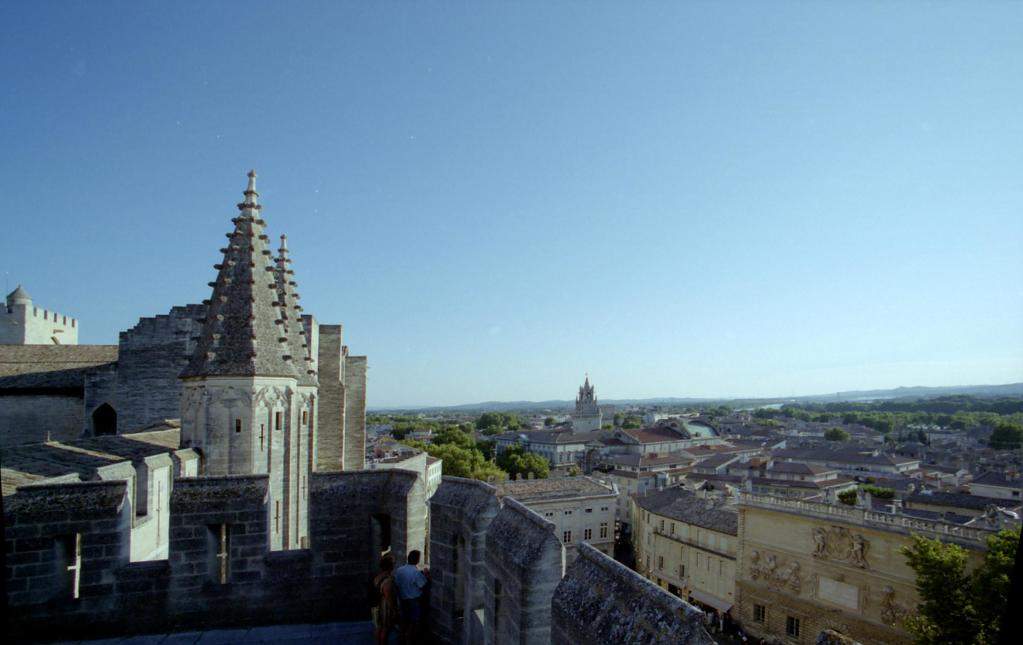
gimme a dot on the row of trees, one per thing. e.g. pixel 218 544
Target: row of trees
pixel 465 456
pixel 1002 415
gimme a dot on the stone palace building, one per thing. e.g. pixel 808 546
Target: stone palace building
pixel 208 471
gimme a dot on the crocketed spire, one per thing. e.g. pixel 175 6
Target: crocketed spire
pixel 244 333
pixel 291 313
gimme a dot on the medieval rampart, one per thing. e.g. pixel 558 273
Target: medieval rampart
pixel 68 554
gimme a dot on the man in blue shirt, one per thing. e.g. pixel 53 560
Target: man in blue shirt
pixel 411 582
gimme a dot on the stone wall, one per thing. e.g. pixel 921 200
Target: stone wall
pixel 331 409
pixel 600 601
pixel 44 527
pixel 30 325
pixel 525 562
pixel 150 356
pixel 461 511
pixel 355 412
pixel 99 386
pixel 189 590
pixel 31 418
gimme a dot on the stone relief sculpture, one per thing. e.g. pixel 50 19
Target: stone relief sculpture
pixel 892 611
pixel 820 538
pixel 839 545
pixel 768 570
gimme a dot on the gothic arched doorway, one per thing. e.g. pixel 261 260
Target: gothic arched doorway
pixel 104 420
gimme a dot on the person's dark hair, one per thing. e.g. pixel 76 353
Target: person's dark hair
pixel 387 562
pixel 413 557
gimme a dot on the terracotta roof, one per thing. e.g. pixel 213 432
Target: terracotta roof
pixel 51 366
pixel 648 460
pixel 798 468
pixel 656 434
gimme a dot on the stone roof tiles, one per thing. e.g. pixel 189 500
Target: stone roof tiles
pixel 244 333
pixel 602 602
pixel 958 500
pixel 51 366
pixel 80 459
pixel 683 505
pixel 994 478
pixel 541 490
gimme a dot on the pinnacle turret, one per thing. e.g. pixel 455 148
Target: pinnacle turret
pixel 244 333
pixel 291 314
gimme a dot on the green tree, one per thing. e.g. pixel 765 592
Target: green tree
pixel 516 461
pixel 548 422
pixel 1006 436
pixel 455 436
pixel 836 434
pixel 958 607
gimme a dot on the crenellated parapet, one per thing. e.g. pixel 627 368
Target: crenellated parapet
pixel 220 569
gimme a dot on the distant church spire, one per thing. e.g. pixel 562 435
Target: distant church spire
pixel 244 332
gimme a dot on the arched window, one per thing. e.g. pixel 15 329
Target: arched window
pixel 104 420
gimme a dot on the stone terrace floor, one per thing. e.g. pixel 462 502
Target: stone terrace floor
pixel 354 633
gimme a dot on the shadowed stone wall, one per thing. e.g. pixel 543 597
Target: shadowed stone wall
pixel 41 529
pixel 150 357
pixel 34 417
pixel 331 409
pixel 461 511
pixel 189 590
pixel 355 412
pixel 604 603
pixel 525 562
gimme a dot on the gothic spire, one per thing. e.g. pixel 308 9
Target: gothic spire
pixel 244 333
pixel 291 314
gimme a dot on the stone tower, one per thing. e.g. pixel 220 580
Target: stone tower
pixel 587 417
pixel 22 323
pixel 248 399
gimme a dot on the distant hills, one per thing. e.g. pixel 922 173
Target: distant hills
pixel 913 392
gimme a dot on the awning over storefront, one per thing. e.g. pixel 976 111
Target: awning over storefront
pixel 721 605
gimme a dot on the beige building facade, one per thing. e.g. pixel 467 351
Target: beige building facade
pixel 687 543
pixel 804 567
pixel 582 509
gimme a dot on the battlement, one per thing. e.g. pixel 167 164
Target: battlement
pixel 181 322
pixel 22 323
pixel 219 569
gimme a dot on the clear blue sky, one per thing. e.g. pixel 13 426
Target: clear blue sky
pixel 679 198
